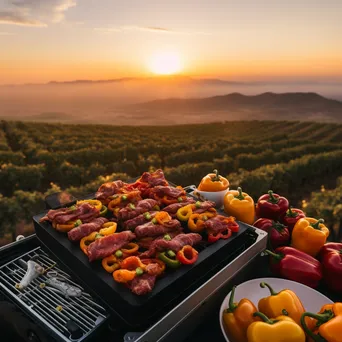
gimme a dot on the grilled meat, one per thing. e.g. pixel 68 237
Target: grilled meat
pixel 175 244
pixel 109 189
pixel 204 206
pixel 168 191
pixel 85 229
pixel 108 245
pixel 173 208
pixel 146 242
pixel 150 229
pixel 84 212
pixel 137 221
pixel 132 211
pixel 143 284
pixel 154 179
pixel 218 224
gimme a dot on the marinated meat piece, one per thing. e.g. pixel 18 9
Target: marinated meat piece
pixel 85 229
pixel 143 284
pixel 84 212
pixel 153 269
pixel 108 189
pixel 108 245
pixel 137 221
pixel 204 206
pixel 173 208
pixel 53 213
pixel 218 224
pixel 150 229
pixel 168 191
pixel 176 244
pixel 146 242
pixel 132 211
pixel 154 179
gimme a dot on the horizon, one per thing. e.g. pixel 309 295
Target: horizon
pixel 245 41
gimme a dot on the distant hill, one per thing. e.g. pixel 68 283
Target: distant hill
pixel 294 106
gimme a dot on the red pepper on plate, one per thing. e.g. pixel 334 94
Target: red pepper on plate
pixel 213 237
pixel 187 255
pixel 291 217
pixel 278 234
pixel 331 259
pixel 295 265
pixel 271 206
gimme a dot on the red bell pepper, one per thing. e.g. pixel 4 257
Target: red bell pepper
pixel 291 217
pixel 278 234
pixel 187 255
pixel 331 259
pixel 271 206
pixel 213 237
pixel 295 265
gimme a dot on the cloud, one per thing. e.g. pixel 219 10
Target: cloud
pixel 35 12
pixel 155 29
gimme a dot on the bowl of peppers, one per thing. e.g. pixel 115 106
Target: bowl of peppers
pixel 213 187
pixel 279 310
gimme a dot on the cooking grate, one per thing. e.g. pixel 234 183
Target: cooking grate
pixel 72 319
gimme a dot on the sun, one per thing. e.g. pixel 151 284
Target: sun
pixel 165 63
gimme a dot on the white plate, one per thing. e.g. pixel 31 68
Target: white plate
pixel 311 299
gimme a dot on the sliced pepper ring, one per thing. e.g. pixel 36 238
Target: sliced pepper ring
pixel 184 213
pixel 130 248
pixel 86 241
pixel 162 217
pixel 132 263
pixel 108 228
pixel 110 263
pixel 187 255
pixel 124 276
pixel 213 237
pixel 103 210
pixel 112 205
pixel 195 223
pixel 170 262
pixel 95 203
pixel 64 228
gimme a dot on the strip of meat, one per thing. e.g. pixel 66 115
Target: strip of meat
pixel 173 208
pixel 146 242
pixel 108 189
pixel 85 229
pixel 150 229
pixel 168 191
pixel 143 284
pixel 218 224
pixel 141 207
pixel 204 206
pixel 85 212
pixel 53 213
pixel 108 245
pixel 175 244
pixel 154 179
pixel 137 221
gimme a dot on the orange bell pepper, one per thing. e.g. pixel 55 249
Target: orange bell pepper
pixel 213 182
pixel 110 263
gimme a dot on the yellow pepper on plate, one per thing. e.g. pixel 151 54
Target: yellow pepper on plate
pixel 239 205
pixel 213 182
pixel 279 329
pixel 280 303
pixel 309 235
pixel 237 318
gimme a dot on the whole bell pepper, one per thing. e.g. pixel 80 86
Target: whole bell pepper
pixel 280 329
pixel 331 259
pixel 240 205
pixel 309 235
pixel 291 217
pixel 278 234
pixel 328 324
pixel 238 317
pixel 271 206
pixel 213 182
pixel 279 303
pixel 292 264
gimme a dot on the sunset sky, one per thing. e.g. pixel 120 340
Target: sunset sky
pixel 44 40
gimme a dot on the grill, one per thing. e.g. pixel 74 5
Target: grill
pixel 78 316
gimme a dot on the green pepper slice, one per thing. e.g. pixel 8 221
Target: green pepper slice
pixel 172 263
pixel 103 210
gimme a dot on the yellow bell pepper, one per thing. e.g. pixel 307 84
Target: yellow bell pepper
pixel 309 235
pixel 281 303
pixel 108 228
pixel 237 318
pixel 240 205
pixel 280 329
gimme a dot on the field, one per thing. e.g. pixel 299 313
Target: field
pixel 290 157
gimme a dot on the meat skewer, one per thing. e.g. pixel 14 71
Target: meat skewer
pixel 85 229
pixel 132 211
pixel 150 229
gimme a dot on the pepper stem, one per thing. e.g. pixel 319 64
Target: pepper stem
pixel 264 318
pixel 272 199
pixel 263 285
pixel 274 255
pixel 316 225
pixel 291 213
pixel 216 178
pixel 322 318
pixel 278 226
pixel 232 306
pixel 240 196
